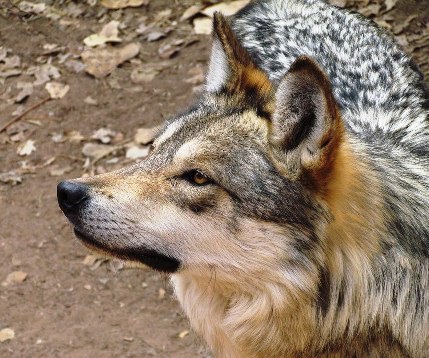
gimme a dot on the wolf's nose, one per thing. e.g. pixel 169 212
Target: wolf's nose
pixel 71 195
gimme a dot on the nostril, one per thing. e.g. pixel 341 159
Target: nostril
pixel 70 195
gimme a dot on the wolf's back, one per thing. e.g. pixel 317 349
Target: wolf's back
pixel 377 86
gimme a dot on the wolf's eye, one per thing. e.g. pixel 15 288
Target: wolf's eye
pixel 197 178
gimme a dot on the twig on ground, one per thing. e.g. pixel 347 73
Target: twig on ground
pixel 17 118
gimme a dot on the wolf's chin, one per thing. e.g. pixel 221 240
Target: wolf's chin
pixel 151 258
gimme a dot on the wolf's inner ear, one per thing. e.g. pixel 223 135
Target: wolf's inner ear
pixel 231 68
pixel 306 127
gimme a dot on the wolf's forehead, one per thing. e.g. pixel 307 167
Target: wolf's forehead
pixel 218 127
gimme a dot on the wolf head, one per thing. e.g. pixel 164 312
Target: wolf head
pixel 238 183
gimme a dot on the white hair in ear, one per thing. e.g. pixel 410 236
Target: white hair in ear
pixel 218 68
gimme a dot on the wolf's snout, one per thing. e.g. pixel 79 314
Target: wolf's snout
pixel 71 195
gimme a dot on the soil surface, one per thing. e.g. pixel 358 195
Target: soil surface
pixel 70 304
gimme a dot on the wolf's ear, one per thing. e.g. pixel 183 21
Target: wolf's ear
pixel 231 68
pixel 306 126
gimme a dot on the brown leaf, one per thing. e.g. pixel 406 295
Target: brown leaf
pixel 94 150
pixel 137 152
pixel 141 75
pixel 226 8
pixel 57 171
pixel 101 62
pixel 190 12
pixel 11 178
pixel 120 4
pixel 15 277
pixel 74 136
pixel 27 148
pixel 44 73
pixel 370 10
pixel 26 90
pixel 146 135
pixel 169 50
pixel 27 6
pixel 390 4
pixel 57 90
pixel 6 334
pixel 183 334
pixel 203 26
pixel 104 135
pixel 398 28
pixel 155 36
pixel 91 101
pixel 109 33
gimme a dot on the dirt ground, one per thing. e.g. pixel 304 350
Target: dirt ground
pixel 65 303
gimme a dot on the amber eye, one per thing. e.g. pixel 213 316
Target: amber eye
pixel 200 178
pixel 197 178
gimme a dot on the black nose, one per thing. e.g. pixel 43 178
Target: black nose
pixel 71 195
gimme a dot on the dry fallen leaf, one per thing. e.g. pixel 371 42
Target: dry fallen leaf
pixel 94 262
pixel 57 90
pixel 183 334
pixel 26 90
pixel 74 136
pixel 102 62
pixel 56 171
pixel 136 152
pixel 155 36
pixel 75 66
pixel 390 4
pixel 94 150
pixel 169 50
pixel 89 260
pixel 190 12
pixel 6 334
pixel 370 10
pixel 91 101
pixel 120 4
pixel 18 137
pixel 27 148
pixel 14 278
pixel 104 135
pixel 44 74
pixel 11 178
pixel 162 16
pixel 109 33
pixel 10 73
pixel 398 28
pixel 141 75
pixel 27 6
pixel 226 8
pixel 203 26
pixel 146 135
pixel 11 62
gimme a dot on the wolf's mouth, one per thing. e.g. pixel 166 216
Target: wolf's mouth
pixel 151 258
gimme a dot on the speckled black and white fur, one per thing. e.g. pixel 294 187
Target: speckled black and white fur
pixel 291 203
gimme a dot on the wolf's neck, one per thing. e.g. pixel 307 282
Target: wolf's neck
pixel 355 201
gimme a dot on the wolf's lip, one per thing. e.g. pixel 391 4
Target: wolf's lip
pixel 151 258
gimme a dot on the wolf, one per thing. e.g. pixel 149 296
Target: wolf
pixel 290 203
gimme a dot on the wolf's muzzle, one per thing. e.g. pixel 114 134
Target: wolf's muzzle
pixel 71 196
